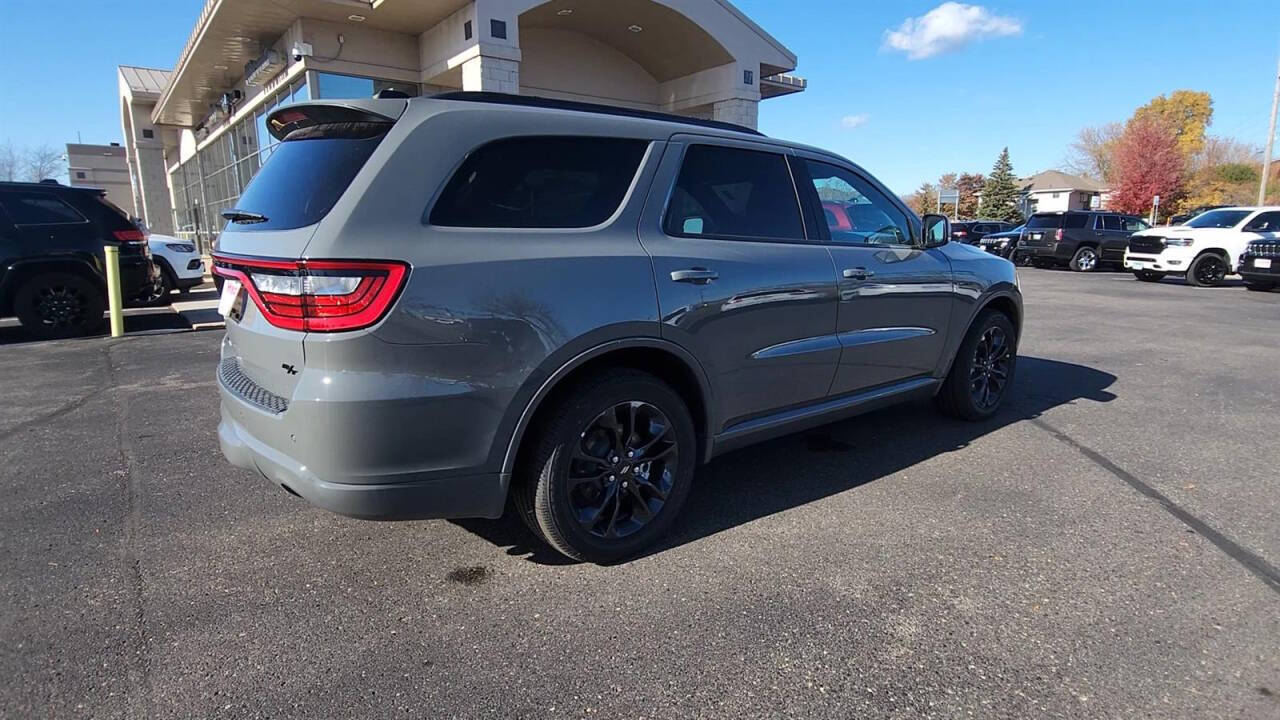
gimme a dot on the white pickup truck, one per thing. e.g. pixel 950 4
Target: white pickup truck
pixel 1206 249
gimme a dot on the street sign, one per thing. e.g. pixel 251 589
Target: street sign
pixel 950 196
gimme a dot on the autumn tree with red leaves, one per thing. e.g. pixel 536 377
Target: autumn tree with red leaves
pixel 1147 162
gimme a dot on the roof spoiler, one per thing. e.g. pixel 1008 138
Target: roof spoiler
pixel 375 115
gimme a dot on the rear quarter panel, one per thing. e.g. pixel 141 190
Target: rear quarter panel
pixel 487 314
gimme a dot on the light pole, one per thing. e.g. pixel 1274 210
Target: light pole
pixel 1271 136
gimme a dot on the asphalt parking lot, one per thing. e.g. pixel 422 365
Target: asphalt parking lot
pixel 1107 547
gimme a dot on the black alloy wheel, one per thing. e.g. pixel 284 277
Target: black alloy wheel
pixel 1208 270
pixel 622 471
pixel 610 466
pixel 983 369
pixel 59 305
pixel 991 367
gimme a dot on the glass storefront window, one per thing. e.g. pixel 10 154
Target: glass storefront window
pixel 331 86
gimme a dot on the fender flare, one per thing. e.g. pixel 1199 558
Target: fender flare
pixel 553 380
pixel 985 302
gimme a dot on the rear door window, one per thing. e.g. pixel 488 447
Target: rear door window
pixel 37 208
pixel 540 182
pixel 1112 222
pixel 734 193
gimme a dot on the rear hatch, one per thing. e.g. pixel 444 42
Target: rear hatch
pixel 1045 229
pixel 277 297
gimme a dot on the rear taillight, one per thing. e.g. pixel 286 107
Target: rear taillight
pixel 959 233
pixel 130 236
pixel 1057 235
pixel 317 295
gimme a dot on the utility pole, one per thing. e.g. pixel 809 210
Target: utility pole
pixel 1271 137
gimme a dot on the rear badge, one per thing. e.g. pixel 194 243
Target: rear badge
pixel 289 368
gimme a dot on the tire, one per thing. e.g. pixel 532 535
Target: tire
pixel 1258 287
pixel 1086 259
pixel 59 305
pixel 167 283
pixel 1207 270
pixel 577 518
pixel 1149 275
pixel 960 396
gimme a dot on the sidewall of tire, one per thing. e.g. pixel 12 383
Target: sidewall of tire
pixel 549 500
pixel 1195 264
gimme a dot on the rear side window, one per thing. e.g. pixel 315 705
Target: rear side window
pixel 304 177
pixel 1076 222
pixel 735 193
pixel 540 182
pixel 35 208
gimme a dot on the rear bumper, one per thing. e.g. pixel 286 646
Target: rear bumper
pixel 452 497
pixel 139 279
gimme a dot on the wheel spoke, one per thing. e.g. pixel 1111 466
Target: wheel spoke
pixel 653 488
pixel 638 502
pixel 640 451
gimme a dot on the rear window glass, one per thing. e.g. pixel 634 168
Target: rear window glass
pixel 36 208
pixel 302 180
pixel 1043 222
pixel 540 182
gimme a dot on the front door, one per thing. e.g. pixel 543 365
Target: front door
pixel 741 285
pixel 895 296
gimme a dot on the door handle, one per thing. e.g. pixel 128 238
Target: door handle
pixel 698 276
pixel 858 273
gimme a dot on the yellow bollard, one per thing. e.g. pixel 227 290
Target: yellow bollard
pixel 114 303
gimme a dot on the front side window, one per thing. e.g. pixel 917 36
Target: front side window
pixel 1133 224
pixel 540 182
pixel 1267 222
pixel 35 208
pixel 873 219
pixel 734 193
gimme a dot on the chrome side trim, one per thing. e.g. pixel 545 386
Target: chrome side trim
pixel 869 336
pixel 797 347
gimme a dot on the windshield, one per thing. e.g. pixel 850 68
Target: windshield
pixel 1218 219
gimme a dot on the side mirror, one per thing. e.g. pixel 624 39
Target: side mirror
pixel 937 230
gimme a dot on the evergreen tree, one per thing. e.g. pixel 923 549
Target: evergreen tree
pixel 1000 193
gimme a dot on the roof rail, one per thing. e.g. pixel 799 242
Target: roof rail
pixel 542 102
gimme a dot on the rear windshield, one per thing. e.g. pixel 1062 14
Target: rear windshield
pixel 1218 219
pixel 302 180
pixel 1055 220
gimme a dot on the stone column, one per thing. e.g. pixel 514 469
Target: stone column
pixel 491 74
pixel 737 111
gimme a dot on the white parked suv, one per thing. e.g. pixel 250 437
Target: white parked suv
pixel 1206 249
pixel 179 263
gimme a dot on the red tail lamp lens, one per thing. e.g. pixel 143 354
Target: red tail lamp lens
pixel 317 295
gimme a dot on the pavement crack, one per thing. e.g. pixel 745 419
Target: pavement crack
pixel 1254 563
pixel 140 680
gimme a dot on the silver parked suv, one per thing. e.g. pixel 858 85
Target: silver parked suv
pixel 432 302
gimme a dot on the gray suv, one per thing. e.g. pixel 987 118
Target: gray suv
pixel 436 303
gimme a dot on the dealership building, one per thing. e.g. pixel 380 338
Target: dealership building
pixel 195 135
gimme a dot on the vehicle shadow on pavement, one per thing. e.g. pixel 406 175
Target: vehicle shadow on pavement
pixel 744 485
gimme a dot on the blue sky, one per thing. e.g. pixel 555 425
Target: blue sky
pixel 1038 73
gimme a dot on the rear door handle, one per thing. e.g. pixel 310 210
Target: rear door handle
pixel 858 273
pixel 699 276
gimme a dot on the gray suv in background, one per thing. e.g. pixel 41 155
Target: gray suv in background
pixel 436 303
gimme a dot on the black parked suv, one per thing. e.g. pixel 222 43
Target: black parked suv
pixel 1260 264
pixel 1079 239
pixel 52 262
pixel 971 232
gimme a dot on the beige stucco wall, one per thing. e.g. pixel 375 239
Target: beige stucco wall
pixel 572 66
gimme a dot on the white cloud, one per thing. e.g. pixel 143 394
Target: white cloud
pixel 854 121
pixel 949 26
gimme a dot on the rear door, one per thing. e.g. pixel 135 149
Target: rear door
pixel 740 283
pixel 895 296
